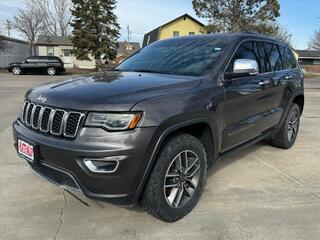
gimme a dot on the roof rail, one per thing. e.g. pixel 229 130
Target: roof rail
pixel 248 32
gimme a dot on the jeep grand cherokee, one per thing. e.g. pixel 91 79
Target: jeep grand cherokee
pixel 148 131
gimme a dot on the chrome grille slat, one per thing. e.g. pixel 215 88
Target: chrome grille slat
pixel 29 114
pixel 56 122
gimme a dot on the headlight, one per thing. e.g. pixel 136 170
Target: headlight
pixel 113 121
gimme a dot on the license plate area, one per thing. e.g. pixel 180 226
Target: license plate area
pixel 27 150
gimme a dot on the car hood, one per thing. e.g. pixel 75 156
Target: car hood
pixel 109 91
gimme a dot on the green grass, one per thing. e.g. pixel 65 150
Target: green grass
pixel 311 75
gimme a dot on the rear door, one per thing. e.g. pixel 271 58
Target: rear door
pixel 249 100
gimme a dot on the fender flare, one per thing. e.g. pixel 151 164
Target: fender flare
pixel 159 142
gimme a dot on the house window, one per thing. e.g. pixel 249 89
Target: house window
pixel 50 51
pixel 176 34
pixel 316 62
pixel 191 33
pixel 66 52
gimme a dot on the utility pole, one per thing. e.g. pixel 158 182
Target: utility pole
pixel 8 27
pixel 128 28
pixel 128 47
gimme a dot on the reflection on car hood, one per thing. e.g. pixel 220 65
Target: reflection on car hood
pixel 109 91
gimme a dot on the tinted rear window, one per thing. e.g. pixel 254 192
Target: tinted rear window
pixel 287 58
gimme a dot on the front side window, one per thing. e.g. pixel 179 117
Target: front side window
pixel 176 34
pixel 191 33
pixel 178 56
pixel 272 57
pixel 247 50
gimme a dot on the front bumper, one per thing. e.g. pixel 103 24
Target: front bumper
pixel 61 160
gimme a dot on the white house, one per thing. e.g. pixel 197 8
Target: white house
pixel 61 47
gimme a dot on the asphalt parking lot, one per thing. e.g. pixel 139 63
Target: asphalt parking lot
pixel 261 193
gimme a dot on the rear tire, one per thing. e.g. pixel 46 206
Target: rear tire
pixel 288 132
pixel 51 71
pixel 177 180
pixel 16 70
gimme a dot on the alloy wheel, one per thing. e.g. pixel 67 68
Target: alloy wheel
pixel 293 125
pixel 182 178
pixel 51 71
pixel 16 70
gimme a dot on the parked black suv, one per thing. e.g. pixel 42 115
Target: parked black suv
pixel 147 132
pixel 38 64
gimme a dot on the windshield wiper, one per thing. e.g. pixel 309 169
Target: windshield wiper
pixel 149 71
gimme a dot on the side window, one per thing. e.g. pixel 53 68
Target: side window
pixel 289 61
pixel 272 57
pixel 247 50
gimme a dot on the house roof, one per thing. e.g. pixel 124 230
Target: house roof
pixel 182 16
pixel 314 54
pixel 12 39
pixel 54 40
pixel 125 47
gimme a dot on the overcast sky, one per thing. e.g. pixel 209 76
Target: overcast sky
pixel 300 17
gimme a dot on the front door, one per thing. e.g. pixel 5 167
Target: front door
pixel 248 100
pixel 67 58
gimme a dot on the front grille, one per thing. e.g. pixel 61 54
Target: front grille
pixel 51 121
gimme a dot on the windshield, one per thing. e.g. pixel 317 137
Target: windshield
pixel 181 56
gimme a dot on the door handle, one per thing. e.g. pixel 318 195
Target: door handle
pixel 288 77
pixel 266 82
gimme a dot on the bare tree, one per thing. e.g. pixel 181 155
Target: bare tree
pixel 29 22
pixel 315 40
pixel 57 16
pixel 283 34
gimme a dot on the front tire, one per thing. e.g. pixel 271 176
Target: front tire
pixel 16 70
pixel 177 180
pixel 288 132
pixel 51 71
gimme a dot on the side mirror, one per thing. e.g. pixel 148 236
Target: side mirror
pixel 243 68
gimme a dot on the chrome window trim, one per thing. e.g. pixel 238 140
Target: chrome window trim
pixel 260 41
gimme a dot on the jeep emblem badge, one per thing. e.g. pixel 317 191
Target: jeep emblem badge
pixel 41 99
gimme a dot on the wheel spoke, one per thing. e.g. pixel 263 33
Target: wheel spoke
pixel 193 185
pixel 179 197
pixel 186 160
pixel 178 163
pixel 171 185
pixel 170 175
pixel 191 166
pixel 173 195
pixel 190 175
pixel 188 190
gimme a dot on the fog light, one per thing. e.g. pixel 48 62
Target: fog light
pixel 102 165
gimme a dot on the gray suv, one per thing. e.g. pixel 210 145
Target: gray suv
pixel 148 131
